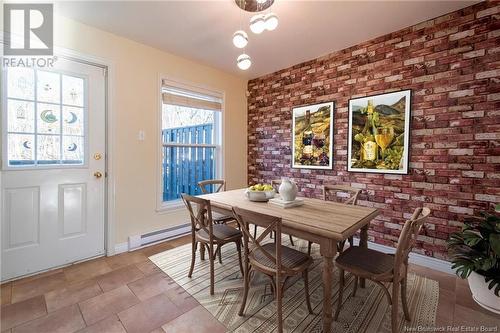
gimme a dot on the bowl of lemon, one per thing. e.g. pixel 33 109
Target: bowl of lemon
pixel 260 192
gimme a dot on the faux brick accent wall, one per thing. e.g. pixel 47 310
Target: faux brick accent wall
pixel 452 65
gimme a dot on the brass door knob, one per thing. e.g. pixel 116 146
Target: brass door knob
pixel 97 174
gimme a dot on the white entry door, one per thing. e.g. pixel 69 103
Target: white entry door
pixel 53 166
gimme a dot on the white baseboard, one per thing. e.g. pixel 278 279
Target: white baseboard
pixel 121 247
pixel 415 258
pixel 142 241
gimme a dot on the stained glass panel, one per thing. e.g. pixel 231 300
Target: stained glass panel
pixel 48 119
pixel 73 122
pixel 21 148
pixel 72 90
pixel 21 116
pixel 48 148
pixel 21 83
pixel 73 149
pixel 48 87
pixel 49 130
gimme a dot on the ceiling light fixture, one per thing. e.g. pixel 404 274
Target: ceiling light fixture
pixel 244 62
pixel 271 21
pixel 240 39
pixel 257 24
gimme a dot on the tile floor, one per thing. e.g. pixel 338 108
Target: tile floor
pixel 127 293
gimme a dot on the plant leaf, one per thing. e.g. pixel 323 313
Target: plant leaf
pixel 495 243
pixel 471 238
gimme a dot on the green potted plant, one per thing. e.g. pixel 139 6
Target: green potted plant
pixel 475 254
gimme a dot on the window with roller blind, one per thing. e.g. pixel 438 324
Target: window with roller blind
pixel 191 139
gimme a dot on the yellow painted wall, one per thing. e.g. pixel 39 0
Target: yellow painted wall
pixel 135 105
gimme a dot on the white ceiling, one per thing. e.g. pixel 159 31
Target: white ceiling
pixel 202 30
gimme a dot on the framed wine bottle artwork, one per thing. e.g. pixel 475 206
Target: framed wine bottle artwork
pixel 378 138
pixel 312 136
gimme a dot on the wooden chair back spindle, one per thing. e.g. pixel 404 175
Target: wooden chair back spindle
pixel 408 236
pixel 351 193
pixel 219 185
pixel 200 213
pixel 271 224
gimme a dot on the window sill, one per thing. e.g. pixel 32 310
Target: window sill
pixel 170 206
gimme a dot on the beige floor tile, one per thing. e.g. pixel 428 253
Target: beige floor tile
pixel 107 304
pixel 37 276
pixel 158 330
pixel 66 320
pixel 197 320
pixel 34 287
pixel 181 298
pixel 125 259
pixel 152 285
pixel 109 325
pixel 149 315
pixel 446 306
pixel 6 293
pixel 446 281
pixel 87 270
pixel 157 248
pixel 119 277
pixel 71 294
pixel 465 316
pixel 148 268
pixel 22 312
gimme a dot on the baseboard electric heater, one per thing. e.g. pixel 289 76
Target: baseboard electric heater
pixel 138 241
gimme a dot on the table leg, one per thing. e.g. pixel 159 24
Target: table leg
pixel 363 242
pixel 328 249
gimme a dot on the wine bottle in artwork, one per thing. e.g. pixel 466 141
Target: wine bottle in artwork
pixel 307 138
pixel 370 147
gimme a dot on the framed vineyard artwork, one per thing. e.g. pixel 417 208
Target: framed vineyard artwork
pixel 312 136
pixel 378 139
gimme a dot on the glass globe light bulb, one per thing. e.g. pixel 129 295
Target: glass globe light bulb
pixel 240 39
pixel 257 24
pixel 244 61
pixel 271 21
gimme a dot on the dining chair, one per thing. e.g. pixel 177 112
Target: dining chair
pixel 218 185
pixel 350 197
pixel 276 261
pixel 381 267
pixel 208 234
pixel 275 183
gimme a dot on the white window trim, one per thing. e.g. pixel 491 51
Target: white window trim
pixel 173 205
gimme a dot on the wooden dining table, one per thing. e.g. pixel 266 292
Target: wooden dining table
pixel 322 222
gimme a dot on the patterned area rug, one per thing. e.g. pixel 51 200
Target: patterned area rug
pixel 368 311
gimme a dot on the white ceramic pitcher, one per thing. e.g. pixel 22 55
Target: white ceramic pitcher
pixel 288 189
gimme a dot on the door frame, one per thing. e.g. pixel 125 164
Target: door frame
pixel 109 187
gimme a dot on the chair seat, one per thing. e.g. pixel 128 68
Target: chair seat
pixel 290 258
pixel 220 218
pixel 365 262
pixel 221 232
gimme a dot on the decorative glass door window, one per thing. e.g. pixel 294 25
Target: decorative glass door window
pixel 45 122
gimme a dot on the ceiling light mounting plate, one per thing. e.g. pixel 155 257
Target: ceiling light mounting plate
pixel 253 5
